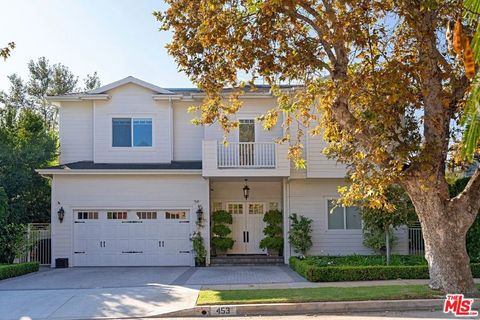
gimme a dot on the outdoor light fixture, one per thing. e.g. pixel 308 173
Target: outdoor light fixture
pixel 246 190
pixel 61 214
pixel 200 214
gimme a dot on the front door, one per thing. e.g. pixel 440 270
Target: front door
pixel 247 227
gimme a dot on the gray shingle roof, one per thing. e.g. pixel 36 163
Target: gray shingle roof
pixel 89 165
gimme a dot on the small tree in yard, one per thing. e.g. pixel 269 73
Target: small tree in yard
pixel 379 80
pixel 378 224
pixel 300 234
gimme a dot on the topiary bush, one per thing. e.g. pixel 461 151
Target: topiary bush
pixel 273 241
pixel 221 241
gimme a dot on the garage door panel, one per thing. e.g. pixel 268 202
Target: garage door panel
pixel 144 239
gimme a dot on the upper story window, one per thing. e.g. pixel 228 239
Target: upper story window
pixel 131 132
pixel 343 217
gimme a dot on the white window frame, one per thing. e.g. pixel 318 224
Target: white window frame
pixel 250 118
pixel 344 217
pixel 131 117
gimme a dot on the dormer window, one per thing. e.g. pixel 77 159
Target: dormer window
pixel 131 132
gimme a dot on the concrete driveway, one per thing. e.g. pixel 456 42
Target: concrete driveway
pixel 121 292
pixel 81 293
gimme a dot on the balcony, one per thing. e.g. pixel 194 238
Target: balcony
pixel 246 155
pixel 243 159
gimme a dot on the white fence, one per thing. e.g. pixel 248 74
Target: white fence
pixel 39 244
pixel 246 155
pixel 416 245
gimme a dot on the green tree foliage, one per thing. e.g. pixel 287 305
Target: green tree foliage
pixel 473 234
pixel 26 144
pixel 378 222
pixel 221 239
pixel 273 231
pixel 12 236
pixel 199 249
pixel 471 117
pixel 48 80
pixel 5 51
pixel 300 234
pixel 92 81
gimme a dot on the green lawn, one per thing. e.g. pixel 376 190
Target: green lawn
pixel 317 294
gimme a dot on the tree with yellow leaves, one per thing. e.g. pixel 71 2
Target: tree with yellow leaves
pixel 376 79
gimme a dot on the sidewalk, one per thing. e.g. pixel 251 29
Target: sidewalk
pixel 342 284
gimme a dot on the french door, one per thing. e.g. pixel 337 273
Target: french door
pixel 247 226
pixel 246 139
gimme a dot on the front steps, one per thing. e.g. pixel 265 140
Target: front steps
pixel 246 260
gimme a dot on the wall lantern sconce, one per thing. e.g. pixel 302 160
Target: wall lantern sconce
pixel 200 214
pixel 61 214
pixel 246 190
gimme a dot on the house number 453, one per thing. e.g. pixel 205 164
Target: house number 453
pixel 223 311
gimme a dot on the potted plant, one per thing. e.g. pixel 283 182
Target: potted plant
pixel 199 249
pixel 273 240
pixel 221 241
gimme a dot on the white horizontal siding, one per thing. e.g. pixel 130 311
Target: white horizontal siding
pixel 251 108
pixel 318 165
pixel 76 131
pixel 308 197
pixel 121 192
pixel 132 101
pixel 187 137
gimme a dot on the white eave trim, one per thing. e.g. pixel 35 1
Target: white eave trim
pixel 127 80
pixel 199 96
pixel 48 172
pixel 81 97
pixel 167 97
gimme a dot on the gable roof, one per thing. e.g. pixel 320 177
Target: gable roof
pixel 127 80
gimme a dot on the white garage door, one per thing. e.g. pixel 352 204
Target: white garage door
pixel 132 238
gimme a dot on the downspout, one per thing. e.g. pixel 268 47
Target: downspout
pixel 170 110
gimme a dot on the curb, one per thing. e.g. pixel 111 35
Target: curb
pixel 307 308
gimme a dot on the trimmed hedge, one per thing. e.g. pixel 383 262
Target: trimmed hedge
pixel 15 270
pixel 360 273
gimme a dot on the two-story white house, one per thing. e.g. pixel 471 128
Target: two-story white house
pixel 135 176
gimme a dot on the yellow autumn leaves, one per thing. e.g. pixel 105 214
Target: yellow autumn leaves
pixel 461 46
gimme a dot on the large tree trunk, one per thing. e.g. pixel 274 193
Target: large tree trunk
pixel 444 233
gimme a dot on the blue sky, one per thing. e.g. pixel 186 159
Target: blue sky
pixel 116 38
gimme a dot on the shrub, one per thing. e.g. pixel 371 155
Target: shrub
pixel 358 260
pixel 272 231
pixel 221 231
pixel 15 270
pixel 376 240
pixel 13 242
pixel 316 273
pixel 199 249
pixel 300 235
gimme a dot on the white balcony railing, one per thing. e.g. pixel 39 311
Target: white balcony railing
pixel 246 155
